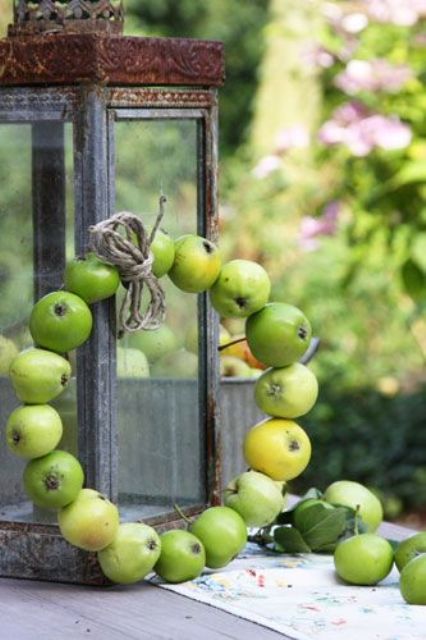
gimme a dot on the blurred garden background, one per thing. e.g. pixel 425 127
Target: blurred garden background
pixel 323 181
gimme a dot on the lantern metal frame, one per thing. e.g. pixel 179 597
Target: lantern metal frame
pixel 92 80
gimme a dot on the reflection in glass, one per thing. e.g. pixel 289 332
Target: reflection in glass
pixel 160 436
pixel 18 282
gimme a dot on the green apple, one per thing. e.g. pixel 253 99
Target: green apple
pixel 352 494
pixel 191 338
pixel 256 497
pixel 60 321
pixel 277 447
pixel 223 533
pixel 131 363
pixel 163 250
pixel 90 522
pixel 54 480
pixel 38 376
pixel 132 554
pixel 286 392
pixel 242 288
pixel 8 351
pixel 413 581
pixel 231 367
pixel 364 559
pixel 278 334
pixel 91 279
pixel 196 265
pixel 409 549
pixel 155 343
pixel 182 556
pixel 33 431
pixel 179 364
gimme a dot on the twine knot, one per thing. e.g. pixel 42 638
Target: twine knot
pixel 122 240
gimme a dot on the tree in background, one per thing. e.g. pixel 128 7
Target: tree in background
pixel 239 25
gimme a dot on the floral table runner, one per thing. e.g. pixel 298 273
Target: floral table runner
pixel 300 596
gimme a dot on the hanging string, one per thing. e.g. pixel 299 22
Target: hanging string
pixel 122 240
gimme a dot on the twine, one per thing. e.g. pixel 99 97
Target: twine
pixel 130 253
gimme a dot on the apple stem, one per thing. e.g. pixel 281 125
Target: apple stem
pixel 177 508
pixel 356 520
pixel 229 344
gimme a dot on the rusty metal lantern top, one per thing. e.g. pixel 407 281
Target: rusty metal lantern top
pixel 37 16
pixel 67 42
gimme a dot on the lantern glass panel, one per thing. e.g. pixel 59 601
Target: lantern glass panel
pixel 161 442
pixel 33 251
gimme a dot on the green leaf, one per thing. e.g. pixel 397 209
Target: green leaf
pixel 321 526
pixel 290 540
pixel 286 517
pixel 414 280
pixel 411 172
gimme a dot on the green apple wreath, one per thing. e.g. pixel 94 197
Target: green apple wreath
pixel 276 450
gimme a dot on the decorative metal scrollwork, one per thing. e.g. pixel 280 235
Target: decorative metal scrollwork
pixel 33 16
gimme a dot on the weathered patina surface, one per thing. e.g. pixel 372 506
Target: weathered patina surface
pixel 68 58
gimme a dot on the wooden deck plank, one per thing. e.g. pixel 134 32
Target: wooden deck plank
pixel 52 611
pixel 31 609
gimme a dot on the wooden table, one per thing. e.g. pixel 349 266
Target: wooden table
pixel 31 610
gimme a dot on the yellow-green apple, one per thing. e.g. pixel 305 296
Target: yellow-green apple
pixel 353 494
pixel 154 343
pixel 90 522
pixel 131 363
pixel 182 556
pixel 278 448
pixel 412 581
pixel 179 364
pixel 33 431
pixel 60 321
pixel 163 251
pixel 409 549
pixel 256 497
pixel 278 334
pixel 132 554
pixel 8 351
pixel 231 367
pixel 286 392
pixel 364 559
pixel 242 288
pixel 38 375
pixel 191 337
pixel 223 533
pixel 91 279
pixel 196 265
pixel 54 480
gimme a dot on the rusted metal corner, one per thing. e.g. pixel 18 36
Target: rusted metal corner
pixel 68 58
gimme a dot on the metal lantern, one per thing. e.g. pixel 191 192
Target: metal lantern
pixel 93 122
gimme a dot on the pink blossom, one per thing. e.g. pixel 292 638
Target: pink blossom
pixel 266 166
pixel 403 13
pixel 294 137
pixel 354 22
pixel 390 133
pixel 315 56
pixel 326 225
pixel 362 131
pixel 374 75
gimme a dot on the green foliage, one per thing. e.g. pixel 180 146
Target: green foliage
pixel 237 24
pixel 371 438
